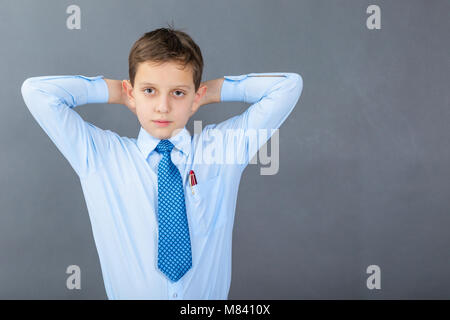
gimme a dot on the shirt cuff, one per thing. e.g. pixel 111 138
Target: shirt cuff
pixel 97 89
pixel 232 88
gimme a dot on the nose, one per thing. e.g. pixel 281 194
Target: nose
pixel 162 105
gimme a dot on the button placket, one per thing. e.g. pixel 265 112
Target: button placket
pixel 174 290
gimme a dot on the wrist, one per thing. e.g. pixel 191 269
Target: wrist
pixel 115 91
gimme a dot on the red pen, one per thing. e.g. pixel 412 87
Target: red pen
pixel 192 180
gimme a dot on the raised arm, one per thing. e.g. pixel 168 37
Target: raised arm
pixel 51 99
pixel 273 96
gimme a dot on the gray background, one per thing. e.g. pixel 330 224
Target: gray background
pixel 364 157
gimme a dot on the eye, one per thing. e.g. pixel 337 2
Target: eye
pixel 145 90
pixel 182 93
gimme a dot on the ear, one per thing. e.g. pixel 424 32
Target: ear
pixel 127 95
pixel 199 97
pixel 128 89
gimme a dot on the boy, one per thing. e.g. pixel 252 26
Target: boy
pixel 162 216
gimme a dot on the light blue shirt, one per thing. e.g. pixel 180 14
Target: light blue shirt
pixel 118 176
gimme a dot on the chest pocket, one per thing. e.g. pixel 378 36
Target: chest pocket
pixel 202 203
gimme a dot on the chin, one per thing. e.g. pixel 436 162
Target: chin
pixel 162 133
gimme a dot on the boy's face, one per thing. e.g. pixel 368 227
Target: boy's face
pixel 164 92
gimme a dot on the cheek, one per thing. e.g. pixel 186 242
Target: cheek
pixel 186 110
pixel 143 110
pixel 142 105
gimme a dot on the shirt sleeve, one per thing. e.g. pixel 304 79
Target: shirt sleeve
pixel 272 97
pixel 51 100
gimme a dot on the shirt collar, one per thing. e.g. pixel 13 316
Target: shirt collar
pixel 147 143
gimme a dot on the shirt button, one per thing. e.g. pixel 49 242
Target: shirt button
pixel 175 295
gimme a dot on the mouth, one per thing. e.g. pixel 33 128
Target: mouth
pixel 161 123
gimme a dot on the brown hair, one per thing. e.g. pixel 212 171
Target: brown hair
pixel 163 45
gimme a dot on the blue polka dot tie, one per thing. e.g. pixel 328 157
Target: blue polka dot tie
pixel 174 245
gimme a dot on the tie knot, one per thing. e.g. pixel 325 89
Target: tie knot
pixel 164 146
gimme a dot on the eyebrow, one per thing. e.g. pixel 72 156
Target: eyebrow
pixel 152 84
